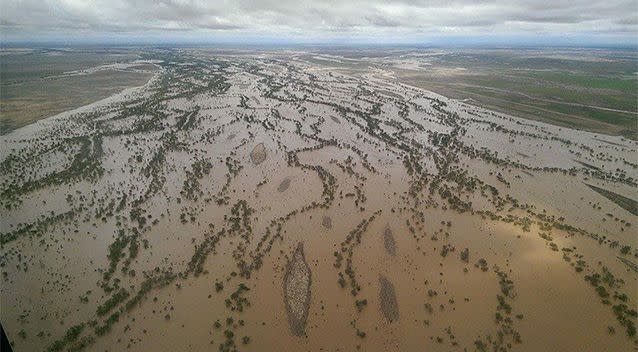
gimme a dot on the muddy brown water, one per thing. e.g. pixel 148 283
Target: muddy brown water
pixel 398 272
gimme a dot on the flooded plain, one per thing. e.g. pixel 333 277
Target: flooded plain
pixel 267 201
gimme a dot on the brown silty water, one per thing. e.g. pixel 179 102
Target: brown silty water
pixel 305 209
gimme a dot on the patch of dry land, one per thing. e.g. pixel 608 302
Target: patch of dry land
pixel 260 202
pixel 38 83
pixel 297 281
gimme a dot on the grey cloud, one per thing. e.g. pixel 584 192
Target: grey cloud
pixel 382 21
pixel 308 18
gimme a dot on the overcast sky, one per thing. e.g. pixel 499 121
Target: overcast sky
pixel 407 21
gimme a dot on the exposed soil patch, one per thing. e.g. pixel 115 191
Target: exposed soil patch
pixel 297 282
pixel 388 242
pixel 258 155
pixel 283 186
pixel 588 165
pixel 631 265
pixel 388 299
pixel 626 203
pixel 327 222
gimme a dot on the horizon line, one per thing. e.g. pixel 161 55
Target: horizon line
pixel 238 43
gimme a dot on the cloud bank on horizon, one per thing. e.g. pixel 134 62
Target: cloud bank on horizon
pixel 612 21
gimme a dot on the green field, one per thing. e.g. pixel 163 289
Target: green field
pixel 35 84
pixel 594 90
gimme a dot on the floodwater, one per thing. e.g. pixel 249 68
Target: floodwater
pixel 289 145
